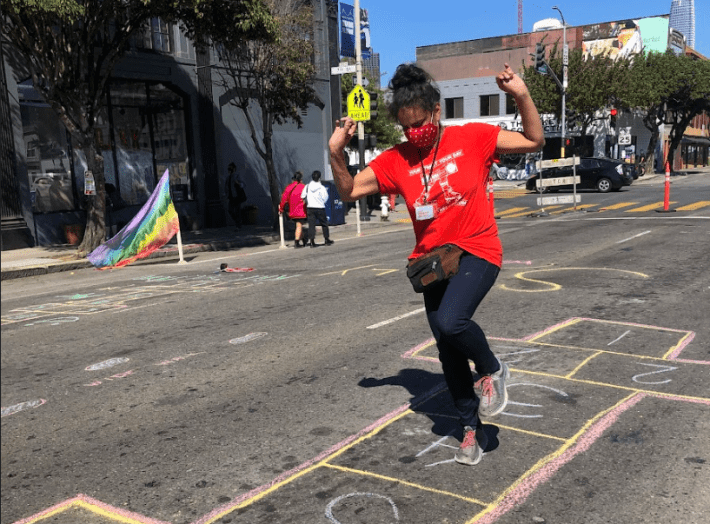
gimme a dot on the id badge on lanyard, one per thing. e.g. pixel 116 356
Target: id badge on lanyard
pixel 424 212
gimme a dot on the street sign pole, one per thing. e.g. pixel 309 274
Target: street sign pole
pixel 360 124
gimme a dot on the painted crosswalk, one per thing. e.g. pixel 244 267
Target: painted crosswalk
pixel 624 207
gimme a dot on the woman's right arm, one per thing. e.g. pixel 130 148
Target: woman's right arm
pixel 350 188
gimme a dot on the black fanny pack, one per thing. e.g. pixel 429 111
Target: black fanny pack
pixel 440 264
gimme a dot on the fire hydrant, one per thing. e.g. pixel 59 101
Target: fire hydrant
pixel 384 208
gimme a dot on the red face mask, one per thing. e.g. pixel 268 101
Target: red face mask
pixel 423 136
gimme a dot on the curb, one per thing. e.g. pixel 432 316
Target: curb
pixel 45 269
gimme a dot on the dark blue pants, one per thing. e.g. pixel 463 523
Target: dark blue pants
pixel 449 309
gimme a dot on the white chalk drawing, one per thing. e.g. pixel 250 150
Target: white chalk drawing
pixel 329 509
pixel 247 338
pixel 30 404
pixel 121 298
pixel 618 338
pixel 125 374
pixel 526 405
pixel 661 369
pixel 438 444
pixel 54 321
pixel 521 351
pixel 106 364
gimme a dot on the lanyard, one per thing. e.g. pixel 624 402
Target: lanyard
pixel 431 169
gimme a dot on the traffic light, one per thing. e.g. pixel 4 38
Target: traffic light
pixel 612 118
pixel 570 144
pixel 373 105
pixel 540 66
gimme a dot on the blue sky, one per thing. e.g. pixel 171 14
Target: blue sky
pixel 398 27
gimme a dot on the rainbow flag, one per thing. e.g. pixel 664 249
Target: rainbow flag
pixel 152 227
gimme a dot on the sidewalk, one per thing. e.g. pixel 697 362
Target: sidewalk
pixel 41 260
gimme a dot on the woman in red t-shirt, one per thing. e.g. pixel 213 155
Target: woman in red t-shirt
pixel 296 208
pixel 441 173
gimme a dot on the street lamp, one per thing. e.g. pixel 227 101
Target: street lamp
pixel 565 62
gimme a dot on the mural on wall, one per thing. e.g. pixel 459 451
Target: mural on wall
pixel 625 38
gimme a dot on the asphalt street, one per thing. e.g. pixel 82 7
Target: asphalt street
pixel 305 388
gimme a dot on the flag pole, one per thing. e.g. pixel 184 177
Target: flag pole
pixel 179 243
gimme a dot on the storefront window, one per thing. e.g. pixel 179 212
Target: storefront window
pixel 170 139
pixel 149 130
pixel 134 154
pixel 47 152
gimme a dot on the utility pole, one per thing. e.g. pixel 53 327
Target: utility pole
pixel 565 63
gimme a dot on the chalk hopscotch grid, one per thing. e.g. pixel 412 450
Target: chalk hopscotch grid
pixel 514 495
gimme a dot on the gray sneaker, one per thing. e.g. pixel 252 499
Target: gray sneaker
pixel 491 391
pixel 469 453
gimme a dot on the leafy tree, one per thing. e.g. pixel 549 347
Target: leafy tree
pixel 70 48
pixel 592 86
pixel 666 89
pixel 387 132
pixel 273 80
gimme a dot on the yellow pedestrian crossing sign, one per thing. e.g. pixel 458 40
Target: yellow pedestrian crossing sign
pixel 359 104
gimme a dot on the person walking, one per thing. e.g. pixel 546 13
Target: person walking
pixel 235 194
pixel 294 207
pixel 441 173
pixel 315 196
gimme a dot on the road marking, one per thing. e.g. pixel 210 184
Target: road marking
pixel 395 319
pixel 649 207
pixel 568 209
pixel 635 236
pixel 618 206
pixel 516 215
pixel 511 211
pixel 693 207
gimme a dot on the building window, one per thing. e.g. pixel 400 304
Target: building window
pixel 154 35
pixel 510 105
pixel 454 107
pixel 490 105
pixel 161 35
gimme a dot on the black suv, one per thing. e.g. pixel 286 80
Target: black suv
pixel 602 174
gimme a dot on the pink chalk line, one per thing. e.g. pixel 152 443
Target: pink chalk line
pixel 526 487
pixel 82 500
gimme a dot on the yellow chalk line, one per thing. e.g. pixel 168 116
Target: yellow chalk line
pixel 556 287
pixel 405 483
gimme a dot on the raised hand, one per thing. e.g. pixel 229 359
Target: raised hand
pixel 511 83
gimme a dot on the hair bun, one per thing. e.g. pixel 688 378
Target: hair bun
pixel 407 75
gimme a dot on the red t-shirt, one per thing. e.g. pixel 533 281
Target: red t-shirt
pixel 457 189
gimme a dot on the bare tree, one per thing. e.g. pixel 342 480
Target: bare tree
pixel 272 82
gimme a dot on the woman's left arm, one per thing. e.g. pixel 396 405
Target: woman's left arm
pixel 533 137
